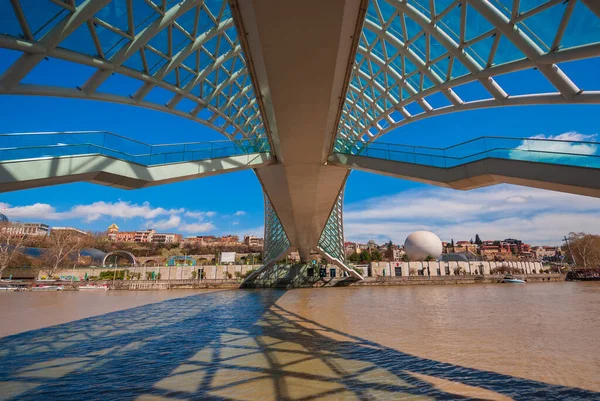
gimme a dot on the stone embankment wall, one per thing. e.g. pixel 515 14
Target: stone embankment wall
pixel 447 280
pixel 220 272
pixel 436 268
pixel 171 284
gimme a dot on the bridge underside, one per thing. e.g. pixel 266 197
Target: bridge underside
pixel 106 170
pixel 481 173
pixel 300 52
pixel 319 80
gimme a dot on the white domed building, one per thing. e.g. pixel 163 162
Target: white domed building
pixel 423 244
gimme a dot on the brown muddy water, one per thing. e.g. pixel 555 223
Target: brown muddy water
pixel 532 341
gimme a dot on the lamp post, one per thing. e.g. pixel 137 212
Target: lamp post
pixel 569 248
pixel 115 272
pixel 73 271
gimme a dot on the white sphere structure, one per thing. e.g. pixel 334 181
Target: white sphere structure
pixel 421 244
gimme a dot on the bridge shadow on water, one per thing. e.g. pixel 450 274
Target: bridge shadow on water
pixel 234 345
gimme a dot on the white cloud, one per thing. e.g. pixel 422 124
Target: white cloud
pixel 240 213
pixel 195 220
pixel 254 231
pixel 534 215
pixel 120 209
pixel 196 227
pixel 35 211
pixel 199 215
pixel 91 212
pixel 560 148
pixel 517 199
pixel 172 222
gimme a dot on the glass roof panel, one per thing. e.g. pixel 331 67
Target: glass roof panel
pixel 180 54
pixel 583 28
pixel 143 15
pixel 476 24
pixel 81 41
pixel 161 41
pixel 455 40
pixel 115 13
pixel 42 16
pixel 507 52
pixel 180 40
pixel 110 41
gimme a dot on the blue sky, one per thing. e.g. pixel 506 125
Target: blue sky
pixel 233 203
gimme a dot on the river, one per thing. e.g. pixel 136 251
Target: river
pixel 532 341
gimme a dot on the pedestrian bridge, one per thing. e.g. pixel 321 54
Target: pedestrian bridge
pixel 566 166
pixel 304 90
pixel 39 159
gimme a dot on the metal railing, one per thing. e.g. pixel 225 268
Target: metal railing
pixel 58 144
pixel 575 153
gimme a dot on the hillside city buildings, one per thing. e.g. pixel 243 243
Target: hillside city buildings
pixel 506 249
pixel 27 229
pixel 146 236
pixel 71 230
pixel 492 250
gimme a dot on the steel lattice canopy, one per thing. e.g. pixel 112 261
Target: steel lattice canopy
pixel 412 50
pixel 189 48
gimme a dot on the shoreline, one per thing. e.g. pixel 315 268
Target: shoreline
pixel 187 284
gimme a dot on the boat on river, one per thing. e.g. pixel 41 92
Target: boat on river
pixel 513 280
pixel 91 287
pixel 583 275
pixel 48 288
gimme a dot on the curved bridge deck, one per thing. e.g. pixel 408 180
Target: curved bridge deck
pixel 34 160
pixel 566 166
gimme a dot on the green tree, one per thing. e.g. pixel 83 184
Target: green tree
pixel 389 252
pixel 354 257
pixel 365 256
pixel 452 242
pixel 478 240
pixel 376 255
pixel 405 258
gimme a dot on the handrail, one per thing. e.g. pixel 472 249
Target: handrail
pixel 581 153
pixel 118 151
pixel 482 152
pixel 49 144
pixel 119 136
pixel 482 138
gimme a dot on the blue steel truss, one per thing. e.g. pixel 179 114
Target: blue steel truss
pixel 332 237
pixel 276 240
pixel 181 57
pixel 422 58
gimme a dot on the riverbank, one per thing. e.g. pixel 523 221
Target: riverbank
pixel 448 280
pixel 193 284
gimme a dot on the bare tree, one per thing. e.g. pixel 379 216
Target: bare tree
pixel 62 245
pixel 11 244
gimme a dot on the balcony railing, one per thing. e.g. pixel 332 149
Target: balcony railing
pixel 58 144
pixel 574 153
